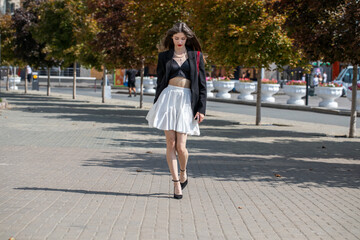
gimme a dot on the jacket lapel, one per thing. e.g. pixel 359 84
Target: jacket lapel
pixel 192 63
pixel 168 59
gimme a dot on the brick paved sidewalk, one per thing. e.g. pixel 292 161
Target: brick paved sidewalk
pixel 79 169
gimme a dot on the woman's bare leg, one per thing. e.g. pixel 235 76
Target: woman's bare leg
pixel 182 154
pixel 171 159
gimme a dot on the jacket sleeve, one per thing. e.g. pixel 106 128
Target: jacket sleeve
pixel 202 86
pixel 160 71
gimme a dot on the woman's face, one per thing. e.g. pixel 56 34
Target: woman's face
pixel 179 40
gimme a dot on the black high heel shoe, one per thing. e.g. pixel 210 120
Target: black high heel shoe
pixel 176 196
pixel 183 185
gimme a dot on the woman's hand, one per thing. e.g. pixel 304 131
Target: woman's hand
pixel 199 117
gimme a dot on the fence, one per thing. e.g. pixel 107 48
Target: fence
pixel 56 71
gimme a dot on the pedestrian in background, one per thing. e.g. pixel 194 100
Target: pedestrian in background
pixel 243 75
pixel 180 99
pixel 324 77
pixel 130 75
pixel 29 73
pixel 303 78
pixel 320 78
pixel 316 80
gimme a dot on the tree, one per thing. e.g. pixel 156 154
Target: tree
pixel 148 22
pixel 243 33
pixel 110 41
pixel 7 48
pixel 327 30
pixel 65 30
pixel 26 48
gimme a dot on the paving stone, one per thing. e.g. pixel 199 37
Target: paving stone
pixel 79 169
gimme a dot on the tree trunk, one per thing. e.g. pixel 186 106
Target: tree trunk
pixel 74 81
pixel 258 99
pixel 142 82
pixel 26 82
pixel 352 130
pixel 48 81
pixel 7 78
pixel 103 85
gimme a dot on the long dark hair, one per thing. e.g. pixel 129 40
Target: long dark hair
pixel 192 42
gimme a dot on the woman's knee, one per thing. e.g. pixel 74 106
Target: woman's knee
pixel 181 149
pixel 171 144
pixel 170 140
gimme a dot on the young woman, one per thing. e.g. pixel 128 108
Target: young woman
pixel 180 99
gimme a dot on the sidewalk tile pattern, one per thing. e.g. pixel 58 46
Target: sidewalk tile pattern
pixel 79 169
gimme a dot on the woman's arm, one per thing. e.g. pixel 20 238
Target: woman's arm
pixel 202 86
pixel 160 74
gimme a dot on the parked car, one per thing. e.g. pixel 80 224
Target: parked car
pixel 345 78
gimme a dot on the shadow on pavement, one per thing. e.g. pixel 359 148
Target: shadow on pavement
pixel 16 97
pixel 157 195
pixel 248 153
pixel 75 110
pixel 145 162
pixel 255 132
pixel 246 166
pixel 292 171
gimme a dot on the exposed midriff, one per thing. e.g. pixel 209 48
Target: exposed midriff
pixel 180 82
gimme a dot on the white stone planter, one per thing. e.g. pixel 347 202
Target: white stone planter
pixel 209 88
pixel 13 81
pixel 328 95
pixel 245 89
pixel 223 88
pixel 349 96
pixel 267 92
pixel 137 84
pixel 149 85
pixel 295 92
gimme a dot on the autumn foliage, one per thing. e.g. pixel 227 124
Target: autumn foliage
pixel 242 33
pixel 110 40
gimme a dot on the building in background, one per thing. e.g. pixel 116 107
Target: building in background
pixel 9 6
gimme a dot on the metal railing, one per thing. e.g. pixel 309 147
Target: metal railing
pixel 56 71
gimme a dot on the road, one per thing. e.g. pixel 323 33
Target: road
pixel 291 115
